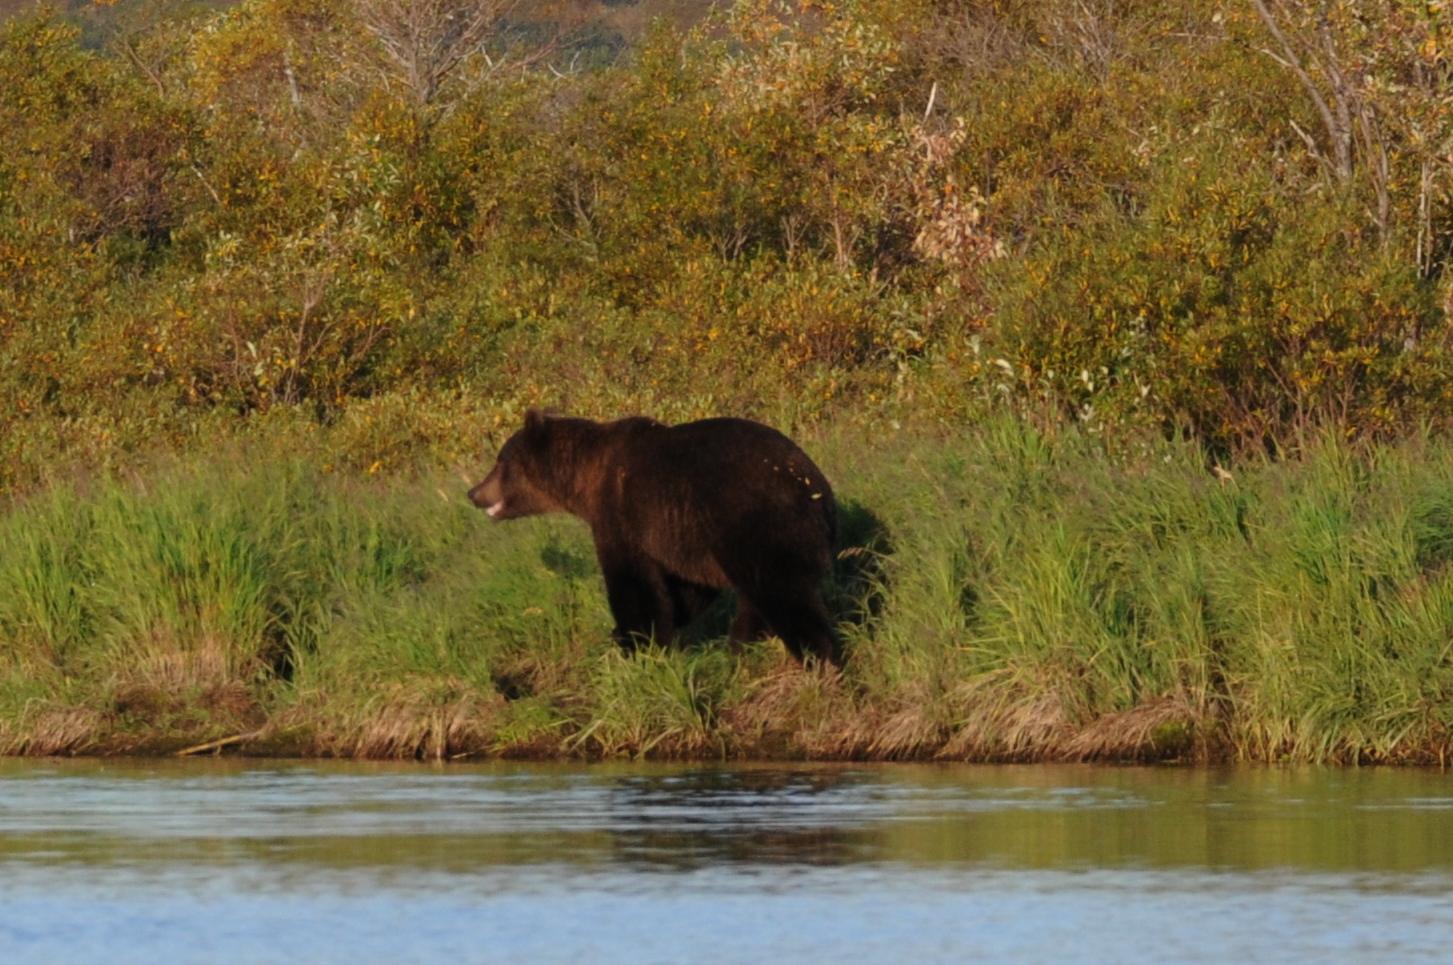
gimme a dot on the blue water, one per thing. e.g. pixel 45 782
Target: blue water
pixel 277 862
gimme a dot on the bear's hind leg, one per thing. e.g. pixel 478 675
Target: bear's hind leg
pixel 748 625
pixel 801 621
pixel 688 600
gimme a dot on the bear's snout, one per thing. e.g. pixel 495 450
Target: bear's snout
pixel 489 495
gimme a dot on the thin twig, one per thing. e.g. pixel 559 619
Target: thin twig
pixel 217 745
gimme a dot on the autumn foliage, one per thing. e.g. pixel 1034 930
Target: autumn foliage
pixel 1228 220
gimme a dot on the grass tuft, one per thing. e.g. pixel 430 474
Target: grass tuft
pixel 1003 594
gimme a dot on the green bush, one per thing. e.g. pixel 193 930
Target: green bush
pixel 1230 310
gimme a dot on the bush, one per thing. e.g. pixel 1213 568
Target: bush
pixel 1230 310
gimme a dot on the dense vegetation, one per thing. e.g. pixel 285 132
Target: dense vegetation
pixel 311 214
pixel 1029 275
pixel 1007 595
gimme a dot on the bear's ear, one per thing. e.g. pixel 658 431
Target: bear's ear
pixel 535 419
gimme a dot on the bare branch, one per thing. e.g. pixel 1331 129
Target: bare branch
pixel 141 65
pixel 427 39
pixel 1312 148
pixel 1339 133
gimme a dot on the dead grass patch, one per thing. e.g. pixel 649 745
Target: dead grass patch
pixel 1006 720
pixel 437 722
pixel 54 729
pixel 1158 729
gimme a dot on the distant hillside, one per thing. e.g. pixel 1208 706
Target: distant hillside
pixel 628 19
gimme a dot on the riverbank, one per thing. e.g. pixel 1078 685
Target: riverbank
pixel 1005 595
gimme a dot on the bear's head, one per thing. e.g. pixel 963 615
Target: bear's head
pixel 522 482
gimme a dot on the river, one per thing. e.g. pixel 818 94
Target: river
pixel 237 861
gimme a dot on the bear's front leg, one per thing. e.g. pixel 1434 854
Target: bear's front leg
pixel 639 599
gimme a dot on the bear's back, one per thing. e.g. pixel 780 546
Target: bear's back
pixel 723 472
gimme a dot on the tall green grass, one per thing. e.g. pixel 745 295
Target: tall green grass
pixel 1003 593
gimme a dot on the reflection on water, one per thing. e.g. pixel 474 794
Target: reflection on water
pixel 267 861
pixel 462 819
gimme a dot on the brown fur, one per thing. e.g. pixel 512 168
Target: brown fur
pixel 680 513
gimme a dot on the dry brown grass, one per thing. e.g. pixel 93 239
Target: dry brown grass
pixel 52 729
pixel 1006 720
pixel 407 722
pixel 164 691
pixel 173 669
pixel 789 713
pixel 915 732
pixel 1168 726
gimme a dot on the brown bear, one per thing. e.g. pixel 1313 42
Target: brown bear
pixel 680 513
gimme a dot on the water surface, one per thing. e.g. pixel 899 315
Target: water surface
pixel 226 861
